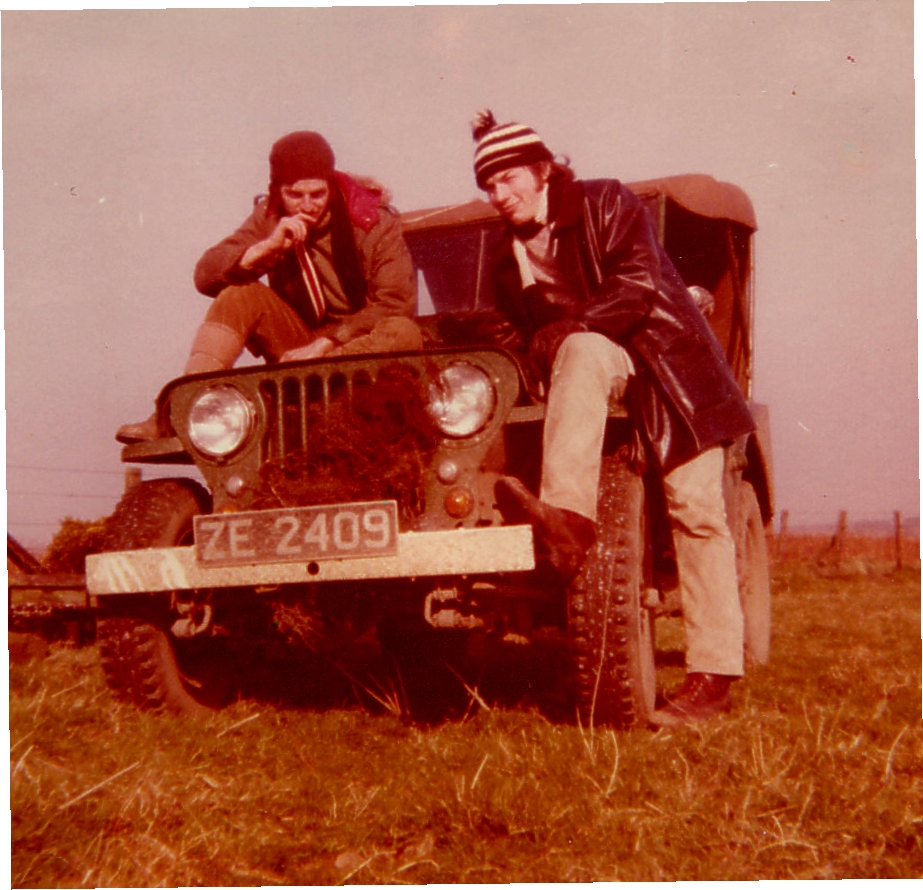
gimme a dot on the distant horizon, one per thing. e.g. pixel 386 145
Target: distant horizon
pixel 910 528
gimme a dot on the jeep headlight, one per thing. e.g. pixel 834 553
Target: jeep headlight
pixel 220 421
pixel 462 400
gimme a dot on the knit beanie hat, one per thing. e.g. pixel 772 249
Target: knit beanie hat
pixel 501 146
pixel 300 155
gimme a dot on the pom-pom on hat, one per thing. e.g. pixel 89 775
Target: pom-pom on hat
pixel 300 155
pixel 501 146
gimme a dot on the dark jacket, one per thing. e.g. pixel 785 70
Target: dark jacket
pixel 622 284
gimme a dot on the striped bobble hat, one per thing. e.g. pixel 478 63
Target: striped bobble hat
pixel 501 146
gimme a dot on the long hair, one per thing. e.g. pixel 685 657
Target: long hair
pixel 345 252
pixel 560 175
pixel 342 238
pixel 561 170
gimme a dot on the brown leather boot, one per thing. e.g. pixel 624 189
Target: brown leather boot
pixel 145 431
pixel 563 535
pixel 701 697
pixel 215 347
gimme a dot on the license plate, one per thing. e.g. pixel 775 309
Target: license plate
pixel 297 534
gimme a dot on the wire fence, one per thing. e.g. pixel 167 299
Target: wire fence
pixel 896 543
pixel 40 498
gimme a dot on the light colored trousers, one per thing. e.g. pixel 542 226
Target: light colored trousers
pixel 589 369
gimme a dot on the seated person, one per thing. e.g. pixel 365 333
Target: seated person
pixel 340 277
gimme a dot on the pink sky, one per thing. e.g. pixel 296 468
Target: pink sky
pixel 132 140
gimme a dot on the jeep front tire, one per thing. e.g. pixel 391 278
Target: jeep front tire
pixel 143 662
pixel 611 631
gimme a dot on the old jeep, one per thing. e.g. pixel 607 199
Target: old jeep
pixel 355 496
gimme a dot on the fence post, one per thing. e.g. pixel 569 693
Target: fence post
pixel 783 532
pixel 132 477
pixel 898 560
pixel 842 526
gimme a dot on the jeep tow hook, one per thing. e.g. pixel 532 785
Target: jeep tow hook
pixel 438 613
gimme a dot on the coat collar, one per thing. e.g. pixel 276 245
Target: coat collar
pixel 566 203
pixel 361 203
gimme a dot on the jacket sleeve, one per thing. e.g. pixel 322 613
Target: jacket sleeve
pixel 219 266
pixel 627 260
pixel 390 275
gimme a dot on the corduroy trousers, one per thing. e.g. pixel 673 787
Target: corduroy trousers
pixel 270 328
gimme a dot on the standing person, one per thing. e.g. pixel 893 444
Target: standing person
pixel 581 274
pixel 340 277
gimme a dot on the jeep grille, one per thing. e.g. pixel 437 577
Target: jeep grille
pixel 346 432
pixel 294 403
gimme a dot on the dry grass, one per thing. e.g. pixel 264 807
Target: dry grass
pixel 818 773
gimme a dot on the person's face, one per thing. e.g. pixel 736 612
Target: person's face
pixel 307 198
pixel 516 194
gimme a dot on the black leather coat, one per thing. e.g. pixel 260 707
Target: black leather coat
pixel 622 284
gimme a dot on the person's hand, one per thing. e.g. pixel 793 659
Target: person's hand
pixel 545 345
pixel 289 231
pixel 316 349
pixel 493 328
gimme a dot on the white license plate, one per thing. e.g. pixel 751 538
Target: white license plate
pixel 297 534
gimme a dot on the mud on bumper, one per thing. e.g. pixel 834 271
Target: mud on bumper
pixel 420 554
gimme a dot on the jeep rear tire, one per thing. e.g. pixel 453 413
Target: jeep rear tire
pixel 143 662
pixel 611 632
pixel 753 577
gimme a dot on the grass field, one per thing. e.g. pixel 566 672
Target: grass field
pixel 818 773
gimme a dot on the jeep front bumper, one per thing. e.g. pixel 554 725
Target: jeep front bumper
pixel 469 551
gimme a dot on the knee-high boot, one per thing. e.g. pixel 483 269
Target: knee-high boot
pixel 215 347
